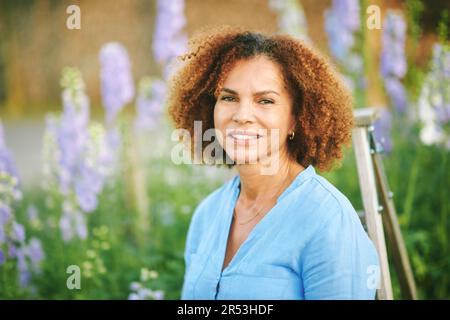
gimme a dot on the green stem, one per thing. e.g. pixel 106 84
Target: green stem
pixel 409 199
pixel 443 222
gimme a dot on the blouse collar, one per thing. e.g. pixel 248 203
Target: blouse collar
pixel 299 179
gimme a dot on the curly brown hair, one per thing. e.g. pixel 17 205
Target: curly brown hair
pixel 322 104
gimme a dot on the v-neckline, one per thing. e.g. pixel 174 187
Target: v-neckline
pixel 230 216
pixel 230 209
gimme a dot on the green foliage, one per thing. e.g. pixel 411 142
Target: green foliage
pixel 414 10
pixel 117 250
pixel 419 177
pixel 442 29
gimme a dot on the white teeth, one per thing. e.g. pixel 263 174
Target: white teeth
pixel 244 137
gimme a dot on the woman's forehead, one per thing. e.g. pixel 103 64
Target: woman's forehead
pixel 257 73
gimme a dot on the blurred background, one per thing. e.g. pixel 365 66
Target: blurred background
pixel 86 176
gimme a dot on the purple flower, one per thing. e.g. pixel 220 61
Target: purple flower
pixel 133 296
pixel 291 18
pixel 12 233
pixel 108 155
pixel 22 266
pixel 6 160
pixel 12 251
pixel 79 154
pixel 396 91
pixel 24 278
pixel 393 61
pixel 87 185
pixel 141 292
pixel 150 103
pixel 168 39
pixel 2 234
pixel 350 10
pixel 113 139
pixel 443 114
pixel 18 232
pixel 116 79
pixel 80 223
pixel 86 198
pixel 71 131
pixel 72 223
pixel 33 215
pixel 35 253
pixel 382 130
pixel 434 100
pixel 9 181
pixel 158 295
pixel 441 60
pixel 65 225
pixel 169 42
pixel 342 21
pixel 5 214
pixel 135 286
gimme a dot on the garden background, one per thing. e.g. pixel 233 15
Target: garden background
pixel 86 177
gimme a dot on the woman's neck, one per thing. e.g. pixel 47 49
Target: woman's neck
pixel 256 186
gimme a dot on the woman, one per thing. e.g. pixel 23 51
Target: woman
pixel 277 230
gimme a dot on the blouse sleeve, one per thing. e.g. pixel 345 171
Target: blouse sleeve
pixel 339 259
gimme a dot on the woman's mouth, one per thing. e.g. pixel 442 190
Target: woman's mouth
pixel 244 136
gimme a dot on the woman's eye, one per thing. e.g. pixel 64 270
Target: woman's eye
pixel 227 98
pixel 265 101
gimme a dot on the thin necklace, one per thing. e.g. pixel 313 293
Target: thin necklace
pixel 257 214
pixel 245 222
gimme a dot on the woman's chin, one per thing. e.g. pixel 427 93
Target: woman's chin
pixel 246 154
pixel 244 158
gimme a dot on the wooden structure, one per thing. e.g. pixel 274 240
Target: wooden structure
pixel 379 216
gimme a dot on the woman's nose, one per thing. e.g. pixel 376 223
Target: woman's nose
pixel 244 113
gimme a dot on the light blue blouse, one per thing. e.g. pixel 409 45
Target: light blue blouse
pixel 310 245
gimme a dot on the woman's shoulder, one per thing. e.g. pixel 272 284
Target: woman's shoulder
pixel 323 198
pixel 336 220
pixel 338 239
pixel 322 210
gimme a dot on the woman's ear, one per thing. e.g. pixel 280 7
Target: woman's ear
pixel 292 125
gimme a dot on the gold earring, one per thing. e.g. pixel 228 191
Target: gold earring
pixel 292 135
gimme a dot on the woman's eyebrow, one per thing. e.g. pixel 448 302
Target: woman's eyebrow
pixel 229 90
pixel 266 92
pixel 256 93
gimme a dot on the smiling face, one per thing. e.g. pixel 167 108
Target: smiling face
pixel 253 112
